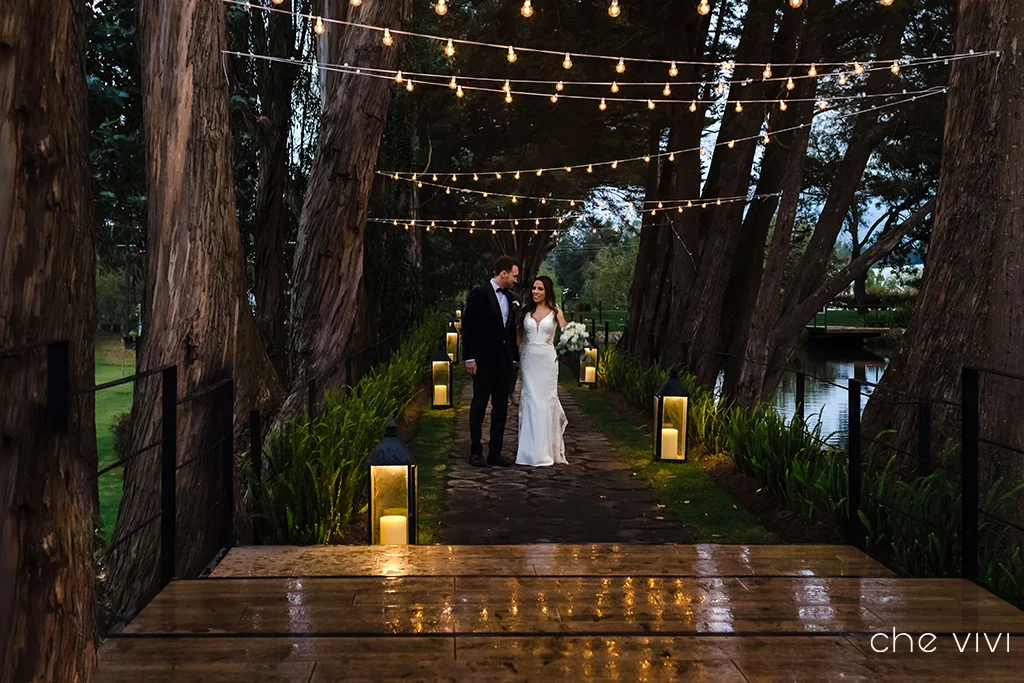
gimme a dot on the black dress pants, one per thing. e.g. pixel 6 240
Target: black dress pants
pixel 494 385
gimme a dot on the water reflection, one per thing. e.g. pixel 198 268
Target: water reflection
pixel 825 401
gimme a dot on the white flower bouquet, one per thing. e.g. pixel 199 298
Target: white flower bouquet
pixel 573 340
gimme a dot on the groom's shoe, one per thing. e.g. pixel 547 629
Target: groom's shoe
pixel 500 461
pixel 477 460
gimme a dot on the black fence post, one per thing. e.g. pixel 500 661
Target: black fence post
pixel 971 426
pixel 606 333
pixel 58 386
pixel 801 394
pixel 856 466
pixel 256 457
pixel 348 372
pixel 311 398
pixel 593 329
pixel 924 439
pixel 227 454
pixel 168 471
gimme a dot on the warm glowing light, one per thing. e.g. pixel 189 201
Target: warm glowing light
pixel 650 104
pixel 667 91
pixel 590 168
pixel 476 177
pixel 567 62
pixel 398 79
pixel 721 88
pixel 885 3
pixel 615 87
pixel 822 105
pixel 647 158
pixel 511 54
pixel 449 48
pixel 858 68
pixel 727 66
pixel 732 143
pixel 895 68
pixel 795 3
pixel 319 27
pixel 673 70
pixel 441 8
pixel 842 79
pixel 554 98
pixel 452 84
pixel 458 92
pixel 621 66
pixel 355 3
pixel 813 71
pixel 765 138
pixel 782 105
pixel 671 156
pixel 614 10
pixel 693 105
pixel 387 39
pixel 527 9
pixel 615 164
pixel 739 107
pixel 568 169
pixel 767 73
pixel 507 87
pixel 704 8
pixel 790 84
pixel 560 86
pixel 408 86
pixel 508 98
pixel 516 176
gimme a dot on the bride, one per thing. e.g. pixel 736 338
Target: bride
pixel 541 418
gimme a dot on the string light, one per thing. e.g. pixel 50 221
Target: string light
pixel 554 98
pixel 704 8
pixel 739 107
pixel 527 9
pixel 441 8
pixel 667 92
pixel 508 98
pixel 452 84
pixel 615 86
pixel 647 158
pixel 459 92
pixel 732 143
pixel 449 48
pixel 408 86
pixel 842 79
pixel 560 86
pixel 511 54
pixel 795 3
pixel 822 105
pixel 673 70
pixel 813 71
pixel 727 66
pixel 672 156
pixel 277 2
pixel 693 105
pixel 590 168
pixel 621 66
pixel 507 87
pixel 567 62
pixel 895 68
pixel 721 88
pixel 398 77
pixel 319 27
pixel 765 138
pixel 387 39
pixel 782 105
pixel 650 104
pixel 614 10
pixel 885 3
pixel 790 84
pixel 767 73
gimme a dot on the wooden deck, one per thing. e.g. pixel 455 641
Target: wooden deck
pixel 633 613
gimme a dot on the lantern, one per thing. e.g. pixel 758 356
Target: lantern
pixel 441 380
pixel 451 342
pixel 392 500
pixel 588 367
pixel 670 406
pixel 458 319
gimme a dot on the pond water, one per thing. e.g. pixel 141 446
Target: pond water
pixel 826 402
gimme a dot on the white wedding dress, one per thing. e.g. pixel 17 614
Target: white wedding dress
pixel 542 421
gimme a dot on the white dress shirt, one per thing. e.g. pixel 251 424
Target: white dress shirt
pixel 502 302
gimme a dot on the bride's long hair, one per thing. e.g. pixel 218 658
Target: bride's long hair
pixel 531 305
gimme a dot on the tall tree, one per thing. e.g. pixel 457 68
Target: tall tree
pixel 328 286
pixel 969 309
pixel 47 292
pixel 197 310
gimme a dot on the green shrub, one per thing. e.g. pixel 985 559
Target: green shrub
pixel 315 472
pixel 121 428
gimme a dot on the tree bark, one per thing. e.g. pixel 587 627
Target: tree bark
pixel 328 288
pixel 198 315
pixel 969 310
pixel 47 292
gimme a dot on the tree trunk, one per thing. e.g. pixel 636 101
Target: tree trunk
pixel 328 288
pixel 198 315
pixel 969 310
pixel 276 84
pixel 47 292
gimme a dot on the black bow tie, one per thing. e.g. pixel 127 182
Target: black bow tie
pixel 502 290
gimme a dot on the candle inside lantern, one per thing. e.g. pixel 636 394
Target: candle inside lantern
pixel 589 374
pixel 394 530
pixel 440 394
pixel 669 442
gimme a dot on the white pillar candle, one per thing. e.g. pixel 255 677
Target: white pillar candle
pixel 669 442
pixel 589 374
pixel 440 394
pixel 394 530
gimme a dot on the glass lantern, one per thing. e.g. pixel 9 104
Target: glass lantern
pixel 392 498
pixel 451 342
pixel 670 408
pixel 441 380
pixel 458 319
pixel 588 367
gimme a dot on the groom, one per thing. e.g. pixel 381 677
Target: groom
pixel 489 345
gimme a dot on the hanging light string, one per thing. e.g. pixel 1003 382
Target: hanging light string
pixel 321 22
pixel 670 154
pixel 455 83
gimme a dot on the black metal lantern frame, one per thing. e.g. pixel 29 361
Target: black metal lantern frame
pixel 392 495
pixel 441 380
pixel 671 406
pixel 453 342
pixel 588 367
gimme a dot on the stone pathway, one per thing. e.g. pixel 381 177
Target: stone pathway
pixel 593 499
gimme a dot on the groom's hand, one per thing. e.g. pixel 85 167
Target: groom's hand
pixel 471 366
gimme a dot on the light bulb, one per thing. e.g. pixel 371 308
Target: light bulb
pixel 515 199
pixel 590 168
pixel 447 190
pixel 507 87
pixel 527 9
pixel 615 87
pixel 886 3
pixel 540 172
pixel 355 3
pixel 603 105
pixel 398 77
pixel 449 48
pixel 567 62
pixel 703 152
pixel 621 66
pixel 454 177
pixel 516 176
pixel 790 84
pixel 560 86
pixel 895 68
pixel 858 68
pixel 782 105
pixel 813 71
pixel 671 156
pixel 727 66
pixel 822 105
pixel 452 84
pixel 319 27
pixel 441 8
pixel 497 176
pixel 615 164
pixel 614 10
pixel 554 98
pixel 764 139
pixel 459 93
pixel 508 98
pixel 721 88
pixel 842 79
pixel 408 86
pixel 767 73
pixel 673 70
pixel 650 104
pixel 718 202
pixel 511 54
pixel 667 91
pixel 795 3
pixel 476 177
pixel 647 158
pixel 277 2
pixel 732 143
pixel 434 177
pixel 693 105
pixel 704 8
pixel 739 107
pixel 568 169
pixel 387 39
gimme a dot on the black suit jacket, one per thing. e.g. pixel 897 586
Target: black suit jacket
pixel 484 339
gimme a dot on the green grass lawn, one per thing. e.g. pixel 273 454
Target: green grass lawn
pixel 432 449
pixel 710 513
pixel 616 320
pixel 112 362
pixel 850 318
